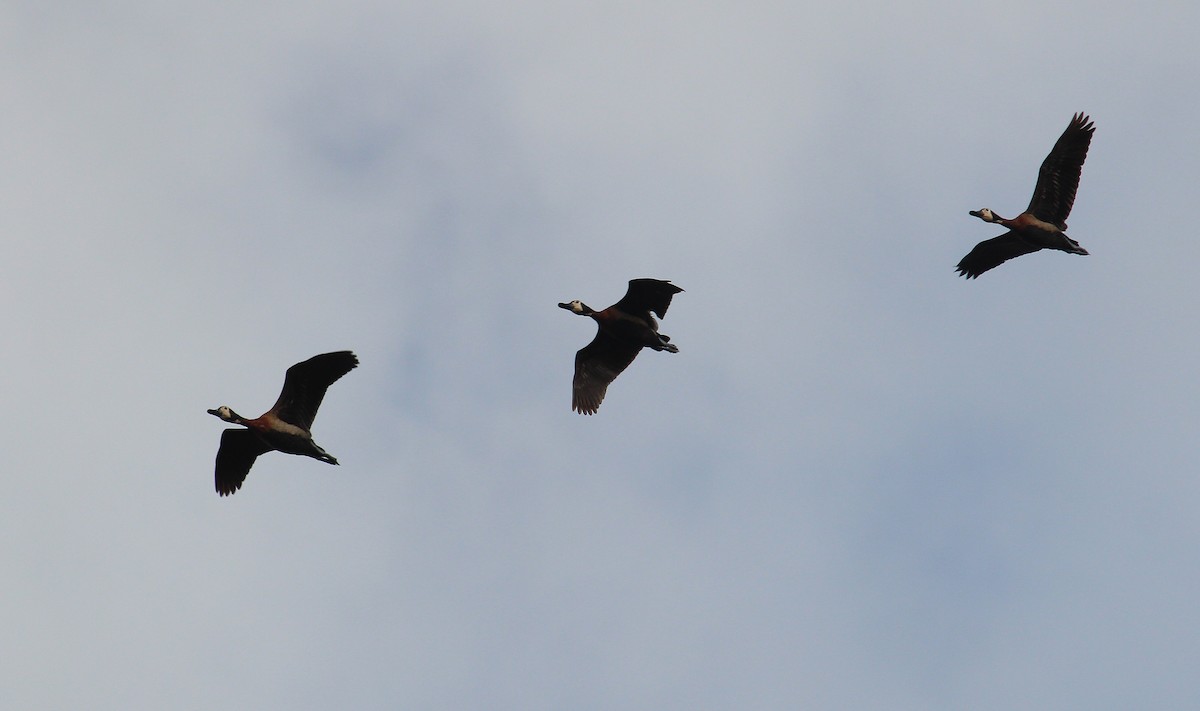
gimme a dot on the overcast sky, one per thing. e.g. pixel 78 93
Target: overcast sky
pixel 863 483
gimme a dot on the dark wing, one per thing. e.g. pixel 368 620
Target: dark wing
pixel 596 365
pixel 992 253
pixel 239 449
pixel 305 385
pixel 1059 175
pixel 647 295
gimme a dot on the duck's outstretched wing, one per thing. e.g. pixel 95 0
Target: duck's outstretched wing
pixel 993 252
pixel 305 385
pixel 644 295
pixel 596 365
pixel 1058 178
pixel 239 449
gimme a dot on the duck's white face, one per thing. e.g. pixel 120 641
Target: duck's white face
pixel 224 413
pixel 986 215
pixel 577 307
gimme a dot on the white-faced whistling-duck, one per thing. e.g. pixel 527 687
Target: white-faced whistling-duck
pixel 1044 222
pixel 625 328
pixel 283 428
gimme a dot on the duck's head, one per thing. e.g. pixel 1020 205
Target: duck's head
pixel 985 214
pixel 225 413
pixel 577 307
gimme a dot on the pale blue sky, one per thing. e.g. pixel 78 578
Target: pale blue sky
pixel 863 483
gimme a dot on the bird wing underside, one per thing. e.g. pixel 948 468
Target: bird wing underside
pixel 1058 177
pixel 305 385
pixel 239 448
pixel 992 253
pixel 596 365
pixel 646 295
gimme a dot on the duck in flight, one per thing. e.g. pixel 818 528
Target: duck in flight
pixel 286 426
pixel 1043 224
pixel 623 330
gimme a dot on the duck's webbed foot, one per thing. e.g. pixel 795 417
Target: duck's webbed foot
pixel 322 455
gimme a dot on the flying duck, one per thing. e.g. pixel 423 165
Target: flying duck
pixel 1044 222
pixel 624 328
pixel 283 428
